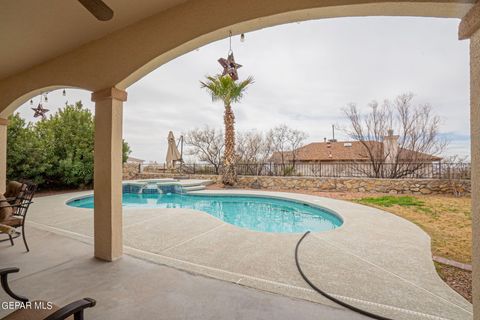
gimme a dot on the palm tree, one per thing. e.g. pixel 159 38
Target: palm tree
pixel 224 88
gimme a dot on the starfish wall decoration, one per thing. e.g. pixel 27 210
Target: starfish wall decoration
pixel 40 111
pixel 230 66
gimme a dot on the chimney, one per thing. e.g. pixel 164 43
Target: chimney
pixel 333 134
pixel 390 146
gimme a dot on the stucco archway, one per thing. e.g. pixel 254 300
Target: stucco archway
pixel 123 57
pixel 109 64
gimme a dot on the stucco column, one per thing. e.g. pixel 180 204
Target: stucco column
pixel 475 150
pixel 469 28
pixel 108 173
pixel 3 154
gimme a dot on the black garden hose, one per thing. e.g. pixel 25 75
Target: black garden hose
pixel 326 295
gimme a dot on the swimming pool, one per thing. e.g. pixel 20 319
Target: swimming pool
pixel 251 212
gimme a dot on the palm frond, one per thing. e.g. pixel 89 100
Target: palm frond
pixel 225 88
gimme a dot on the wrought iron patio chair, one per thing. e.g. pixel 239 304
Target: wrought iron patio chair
pixel 75 309
pixel 9 231
pixel 20 205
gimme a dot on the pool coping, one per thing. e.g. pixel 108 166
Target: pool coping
pixel 428 286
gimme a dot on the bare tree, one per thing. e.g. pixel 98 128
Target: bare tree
pixel 279 137
pixel 295 139
pixel 417 144
pixel 253 147
pixel 455 167
pixel 253 150
pixel 285 142
pixel 206 144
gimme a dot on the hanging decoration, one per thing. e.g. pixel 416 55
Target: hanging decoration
pixel 64 94
pixel 229 65
pixel 40 110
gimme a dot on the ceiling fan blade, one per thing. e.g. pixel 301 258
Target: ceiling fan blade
pixel 98 8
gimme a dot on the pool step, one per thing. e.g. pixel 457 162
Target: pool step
pixel 194 188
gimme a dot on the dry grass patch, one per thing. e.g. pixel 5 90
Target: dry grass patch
pixel 446 219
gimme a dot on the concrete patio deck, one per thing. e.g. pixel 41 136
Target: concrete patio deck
pixel 375 260
pixel 62 270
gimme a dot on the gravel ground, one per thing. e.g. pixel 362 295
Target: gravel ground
pixel 458 279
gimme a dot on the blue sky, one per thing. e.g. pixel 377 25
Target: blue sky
pixel 305 73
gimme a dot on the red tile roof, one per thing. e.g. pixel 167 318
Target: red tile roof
pixel 344 151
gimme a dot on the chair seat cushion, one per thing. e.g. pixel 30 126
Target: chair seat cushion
pixel 33 313
pixel 14 188
pixel 7 229
pixel 13 222
pixel 5 210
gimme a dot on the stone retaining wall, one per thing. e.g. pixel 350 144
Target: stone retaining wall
pixel 130 171
pixel 392 186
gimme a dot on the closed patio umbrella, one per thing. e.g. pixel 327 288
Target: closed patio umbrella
pixel 172 152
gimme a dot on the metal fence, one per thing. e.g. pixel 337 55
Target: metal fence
pixel 435 170
pixel 194 168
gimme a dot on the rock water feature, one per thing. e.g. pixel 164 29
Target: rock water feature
pixel 155 187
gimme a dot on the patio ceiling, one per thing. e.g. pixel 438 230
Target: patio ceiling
pixel 35 31
pixel 62 45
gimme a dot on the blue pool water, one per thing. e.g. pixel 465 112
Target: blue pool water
pixel 254 213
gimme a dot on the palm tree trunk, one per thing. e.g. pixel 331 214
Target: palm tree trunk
pixel 229 173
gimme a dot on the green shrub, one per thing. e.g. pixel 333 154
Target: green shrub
pixel 57 151
pixel 27 157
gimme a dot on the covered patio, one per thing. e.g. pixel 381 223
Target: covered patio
pixel 62 270
pixel 106 58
